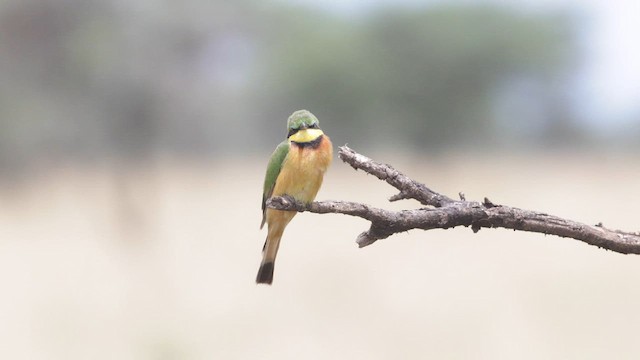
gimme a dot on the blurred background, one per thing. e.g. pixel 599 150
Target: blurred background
pixel 134 137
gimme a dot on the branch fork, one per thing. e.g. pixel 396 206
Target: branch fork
pixel 442 212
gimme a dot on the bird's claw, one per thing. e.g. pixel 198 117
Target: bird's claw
pixel 289 199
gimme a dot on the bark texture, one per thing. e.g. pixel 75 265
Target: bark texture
pixel 442 212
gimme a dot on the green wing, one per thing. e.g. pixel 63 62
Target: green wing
pixel 273 170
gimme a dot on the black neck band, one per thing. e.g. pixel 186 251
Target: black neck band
pixel 313 144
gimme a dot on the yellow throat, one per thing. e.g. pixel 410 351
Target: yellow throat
pixel 306 135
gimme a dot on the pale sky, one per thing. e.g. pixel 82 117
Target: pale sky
pixel 612 74
pixel 608 82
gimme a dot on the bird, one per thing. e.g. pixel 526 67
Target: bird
pixel 296 169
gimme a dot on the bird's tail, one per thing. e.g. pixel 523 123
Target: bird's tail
pixel 269 252
pixel 265 273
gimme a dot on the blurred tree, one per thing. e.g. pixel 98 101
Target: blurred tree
pixel 84 79
pixel 425 78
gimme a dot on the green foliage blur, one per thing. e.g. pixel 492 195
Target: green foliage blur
pixel 88 79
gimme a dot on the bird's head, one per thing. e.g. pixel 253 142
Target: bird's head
pixel 303 127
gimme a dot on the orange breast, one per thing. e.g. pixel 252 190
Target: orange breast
pixel 303 169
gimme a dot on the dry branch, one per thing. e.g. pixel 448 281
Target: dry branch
pixel 443 212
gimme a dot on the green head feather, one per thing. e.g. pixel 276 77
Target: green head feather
pixel 301 119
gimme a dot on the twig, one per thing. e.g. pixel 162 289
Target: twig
pixel 446 213
pixel 409 189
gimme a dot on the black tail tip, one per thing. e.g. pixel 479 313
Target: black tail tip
pixel 265 273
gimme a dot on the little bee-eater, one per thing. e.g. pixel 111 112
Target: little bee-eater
pixel 296 168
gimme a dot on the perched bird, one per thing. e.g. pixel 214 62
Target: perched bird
pixel 296 168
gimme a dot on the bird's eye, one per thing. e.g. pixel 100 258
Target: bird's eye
pixel 313 126
pixel 292 131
